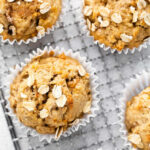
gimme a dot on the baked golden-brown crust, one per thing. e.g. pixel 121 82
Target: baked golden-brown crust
pixel 137 120
pixel 118 24
pixel 51 92
pixel 24 19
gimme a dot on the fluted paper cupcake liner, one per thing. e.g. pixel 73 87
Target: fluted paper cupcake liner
pixel 39 36
pixel 133 88
pixel 93 83
pixel 85 29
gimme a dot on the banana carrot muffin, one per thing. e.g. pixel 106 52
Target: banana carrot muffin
pixel 51 93
pixel 118 24
pixel 137 120
pixel 24 19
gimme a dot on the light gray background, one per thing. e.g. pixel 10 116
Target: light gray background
pixel 113 70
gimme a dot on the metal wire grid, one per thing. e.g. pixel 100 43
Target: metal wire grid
pixel 114 71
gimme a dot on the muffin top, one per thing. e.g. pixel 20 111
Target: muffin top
pixel 118 24
pixel 137 120
pixel 51 93
pixel 24 19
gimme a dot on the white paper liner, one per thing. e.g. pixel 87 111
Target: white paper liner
pixel 85 29
pixel 93 83
pixel 39 36
pixel 133 88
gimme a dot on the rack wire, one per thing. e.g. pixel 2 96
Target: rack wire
pixel 113 70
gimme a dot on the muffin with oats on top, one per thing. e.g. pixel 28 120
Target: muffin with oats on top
pixel 25 19
pixel 51 93
pixel 118 24
pixel 137 120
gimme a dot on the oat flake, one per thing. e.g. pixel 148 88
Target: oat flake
pixel 132 9
pixel 44 8
pixel 104 11
pixel 88 23
pixel 116 17
pixel 125 37
pixel 41 30
pixel 141 4
pixel 87 107
pixel 61 101
pixel 147 19
pixel 44 113
pixel 59 132
pixel 22 95
pixel 30 80
pixel 43 89
pixel 87 11
pixel 93 28
pixel 75 122
pixel 143 14
pixel 29 105
pixel 57 91
pixel 81 70
pixel 10 1
pixel 1 28
pixel 135 139
pixel 135 16
pixel 28 0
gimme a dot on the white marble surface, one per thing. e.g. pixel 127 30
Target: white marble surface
pixel 5 137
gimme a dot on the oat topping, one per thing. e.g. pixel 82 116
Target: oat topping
pixel 143 14
pixel 81 71
pixel 22 95
pixel 136 139
pixel 1 28
pixel 41 30
pixel 87 11
pixel 135 16
pixel 125 37
pixel 59 132
pixel 132 9
pixel 41 1
pixel 87 107
pixel 116 18
pixel 104 23
pixel 28 0
pixel 19 3
pixel 93 28
pixel 43 89
pixel 45 7
pixel 141 4
pixel 29 105
pixel 147 19
pixel 61 101
pixel 57 91
pixel 10 1
pixel 75 122
pixel 30 80
pixel 88 23
pixel 44 113
pixel 104 11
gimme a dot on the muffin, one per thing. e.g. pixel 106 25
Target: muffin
pixel 24 19
pixel 118 24
pixel 51 93
pixel 137 120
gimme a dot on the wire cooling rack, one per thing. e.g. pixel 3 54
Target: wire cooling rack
pixel 113 70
